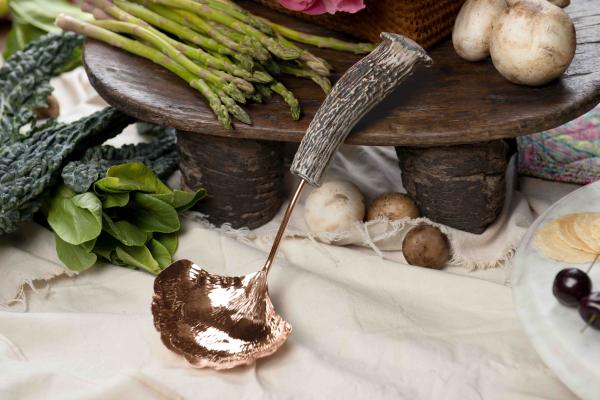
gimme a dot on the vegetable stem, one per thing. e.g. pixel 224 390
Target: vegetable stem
pixel 114 39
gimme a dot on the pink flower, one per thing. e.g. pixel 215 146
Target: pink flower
pixel 315 7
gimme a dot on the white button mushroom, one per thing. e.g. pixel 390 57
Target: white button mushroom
pixel 334 207
pixel 533 42
pixel 473 27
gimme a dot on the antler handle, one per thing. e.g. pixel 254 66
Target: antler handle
pixel 360 89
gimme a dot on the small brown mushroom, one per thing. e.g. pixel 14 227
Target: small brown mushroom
pixel 426 246
pixel 52 111
pixel 392 206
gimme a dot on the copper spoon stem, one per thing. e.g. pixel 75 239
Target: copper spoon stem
pixel 283 226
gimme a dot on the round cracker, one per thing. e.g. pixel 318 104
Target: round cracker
pixel 549 242
pixel 566 229
pixel 587 228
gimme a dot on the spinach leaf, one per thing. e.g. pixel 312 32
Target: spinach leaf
pixel 124 231
pixel 138 257
pixel 75 218
pixel 115 200
pixel 181 200
pixel 131 177
pixel 160 253
pixel 77 258
pixel 154 215
pixel 169 240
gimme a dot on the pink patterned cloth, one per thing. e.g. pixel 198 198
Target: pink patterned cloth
pixel 315 7
pixel 569 153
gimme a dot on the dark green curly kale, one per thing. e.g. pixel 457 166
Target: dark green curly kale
pixel 160 156
pixel 30 166
pixel 24 82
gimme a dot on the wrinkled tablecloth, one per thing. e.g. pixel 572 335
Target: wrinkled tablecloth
pixel 365 327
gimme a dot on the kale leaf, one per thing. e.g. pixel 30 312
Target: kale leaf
pixel 30 166
pixel 160 156
pixel 25 83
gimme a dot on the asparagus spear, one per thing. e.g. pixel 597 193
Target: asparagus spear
pixel 236 111
pixel 255 97
pixel 265 91
pixel 238 12
pixel 275 47
pixel 106 8
pixel 322 81
pixel 289 98
pixel 321 41
pixel 165 47
pixel 67 23
pixel 317 64
pixel 192 21
pixel 241 84
pixel 260 52
pixel 170 26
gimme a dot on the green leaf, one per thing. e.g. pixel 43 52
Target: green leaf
pixel 160 253
pixel 106 246
pixel 181 200
pixel 75 218
pixel 19 36
pixel 76 258
pixel 43 13
pixel 169 240
pixel 131 177
pixel 124 231
pixel 138 257
pixel 154 215
pixel 114 200
pixel 186 200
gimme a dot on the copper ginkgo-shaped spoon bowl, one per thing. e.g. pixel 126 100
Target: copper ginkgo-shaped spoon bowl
pixel 222 322
pixel 214 321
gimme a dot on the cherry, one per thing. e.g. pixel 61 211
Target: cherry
pixel 571 285
pixel 589 309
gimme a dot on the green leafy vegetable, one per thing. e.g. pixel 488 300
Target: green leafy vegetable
pixel 169 241
pixel 75 218
pixel 30 166
pixel 124 231
pixel 34 18
pixel 154 215
pixel 160 156
pixel 138 222
pixel 77 257
pixel 139 257
pixel 131 177
pixel 25 83
pixel 160 253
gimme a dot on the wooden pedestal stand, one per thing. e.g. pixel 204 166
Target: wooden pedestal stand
pixel 448 124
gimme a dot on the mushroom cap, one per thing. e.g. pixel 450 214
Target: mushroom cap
pixel 473 28
pixel 426 246
pixel 393 206
pixel 334 207
pixel 533 42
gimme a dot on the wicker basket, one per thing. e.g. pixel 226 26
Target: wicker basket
pixel 425 21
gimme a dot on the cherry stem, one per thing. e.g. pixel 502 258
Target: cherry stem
pixel 593 262
pixel 589 323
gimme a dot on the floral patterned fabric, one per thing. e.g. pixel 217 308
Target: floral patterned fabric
pixel 569 153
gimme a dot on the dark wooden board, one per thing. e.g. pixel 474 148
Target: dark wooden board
pixel 453 102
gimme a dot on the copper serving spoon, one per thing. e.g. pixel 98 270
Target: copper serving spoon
pixel 221 322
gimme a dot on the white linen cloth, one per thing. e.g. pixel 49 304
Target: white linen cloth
pixel 364 327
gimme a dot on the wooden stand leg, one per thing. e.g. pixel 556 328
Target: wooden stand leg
pixel 461 186
pixel 244 178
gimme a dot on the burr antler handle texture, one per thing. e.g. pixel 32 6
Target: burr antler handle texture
pixel 360 89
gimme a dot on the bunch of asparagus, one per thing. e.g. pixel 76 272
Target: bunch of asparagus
pixel 226 53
